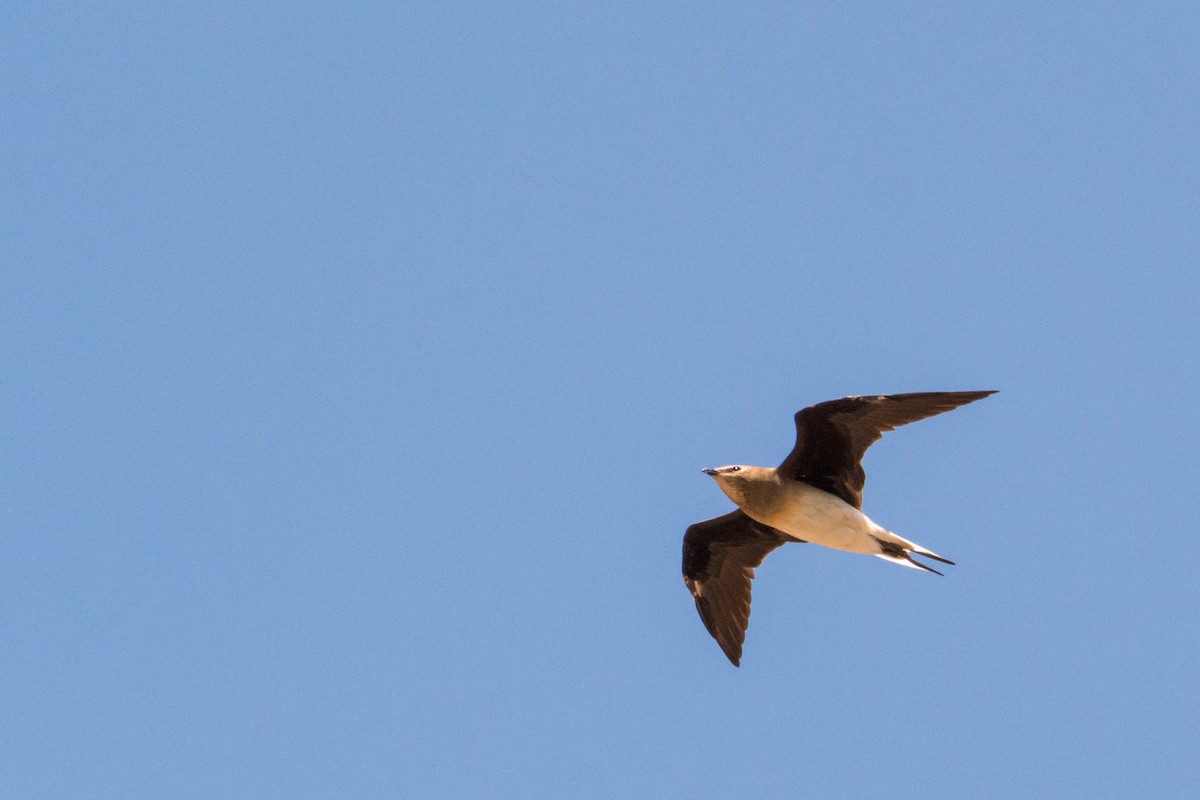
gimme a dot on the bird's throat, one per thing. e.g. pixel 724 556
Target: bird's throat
pixel 758 497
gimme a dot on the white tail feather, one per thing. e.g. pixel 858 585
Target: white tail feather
pixel 904 562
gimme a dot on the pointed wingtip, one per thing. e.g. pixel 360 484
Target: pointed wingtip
pixel 962 398
pixel 978 394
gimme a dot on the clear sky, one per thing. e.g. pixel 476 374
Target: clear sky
pixel 360 359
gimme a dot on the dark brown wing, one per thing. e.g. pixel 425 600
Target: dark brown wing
pixel 832 437
pixel 719 557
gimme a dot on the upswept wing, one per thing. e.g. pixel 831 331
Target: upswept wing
pixel 832 437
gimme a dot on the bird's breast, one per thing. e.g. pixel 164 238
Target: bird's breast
pixel 816 516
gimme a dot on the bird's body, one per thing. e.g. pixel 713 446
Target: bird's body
pixel 811 515
pixel 814 496
pixel 805 513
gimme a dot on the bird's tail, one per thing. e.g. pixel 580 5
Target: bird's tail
pixel 902 554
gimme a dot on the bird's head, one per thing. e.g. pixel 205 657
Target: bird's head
pixel 739 480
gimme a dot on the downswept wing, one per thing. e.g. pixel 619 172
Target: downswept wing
pixel 719 557
pixel 832 437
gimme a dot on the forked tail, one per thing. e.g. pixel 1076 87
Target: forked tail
pixel 899 554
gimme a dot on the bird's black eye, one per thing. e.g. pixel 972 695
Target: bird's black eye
pixel 735 469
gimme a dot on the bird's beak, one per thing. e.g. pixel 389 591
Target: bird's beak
pixel 709 471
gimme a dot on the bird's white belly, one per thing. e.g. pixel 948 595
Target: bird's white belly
pixel 822 518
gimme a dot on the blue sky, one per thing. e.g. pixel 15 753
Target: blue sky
pixel 360 360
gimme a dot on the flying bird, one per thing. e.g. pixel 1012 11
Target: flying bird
pixel 814 496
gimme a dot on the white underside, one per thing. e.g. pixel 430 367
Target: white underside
pixel 821 518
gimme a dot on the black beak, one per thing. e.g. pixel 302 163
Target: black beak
pixel 709 471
